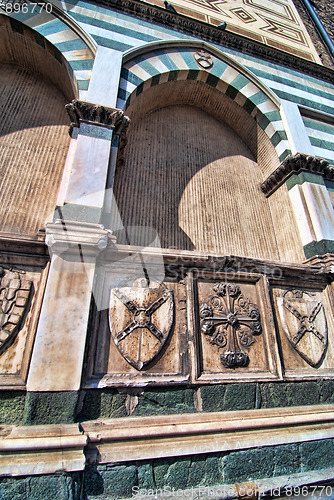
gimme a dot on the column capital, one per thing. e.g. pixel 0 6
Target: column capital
pixel 95 114
pixel 295 164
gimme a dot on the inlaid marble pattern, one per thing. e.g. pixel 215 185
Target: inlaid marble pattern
pixel 273 22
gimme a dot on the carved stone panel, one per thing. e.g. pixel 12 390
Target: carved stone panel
pixel 141 318
pixel 14 301
pixel 21 290
pixel 141 337
pixel 235 331
pixel 305 328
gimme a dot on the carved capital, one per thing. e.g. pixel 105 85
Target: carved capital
pixel 294 164
pixel 71 237
pixel 88 112
pixel 324 262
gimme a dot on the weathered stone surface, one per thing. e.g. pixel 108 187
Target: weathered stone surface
pixel 109 403
pixel 162 401
pixel 228 397
pixel 41 449
pixel 317 454
pixel 12 407
pixel 268 462
pixel 121 440
pixel 102 404
pixel 248 465
pixel 60 486
pixel 56 363
pixel 50 407
pixel 118 480
pixel 293 393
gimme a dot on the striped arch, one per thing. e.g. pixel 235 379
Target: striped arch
pixel 62 31
pixel 159 63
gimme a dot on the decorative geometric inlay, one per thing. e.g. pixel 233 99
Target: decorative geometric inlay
pixel 283 30
pixel 203 59
pixel 304 322
pixel 231 321
pixel 274 7
pixel 14 300
pixel 242 14
pixel 141 319
pixel 214 5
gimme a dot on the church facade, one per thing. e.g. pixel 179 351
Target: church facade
pixel 166 250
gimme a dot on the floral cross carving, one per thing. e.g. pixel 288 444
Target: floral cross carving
pixel 231 321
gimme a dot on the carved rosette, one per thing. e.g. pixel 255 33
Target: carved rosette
pixel 14 300
pixel 230 321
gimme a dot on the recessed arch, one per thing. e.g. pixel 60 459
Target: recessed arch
pixel 25 47
pixel 159 63
pixel 66 37
pixel 163 81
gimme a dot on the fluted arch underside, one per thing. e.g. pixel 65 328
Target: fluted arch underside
pixel 34 142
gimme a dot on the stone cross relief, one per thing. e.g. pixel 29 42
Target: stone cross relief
pixel 230 321
pixel 142 317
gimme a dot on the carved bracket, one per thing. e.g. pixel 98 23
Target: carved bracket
pixel 294 164
pixel 68 236
pixel 88 112
pixel 231 321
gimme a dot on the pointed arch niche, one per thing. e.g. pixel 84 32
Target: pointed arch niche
pixel 194 161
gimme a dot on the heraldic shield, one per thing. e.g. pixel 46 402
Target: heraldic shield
pixel 141 319
pixel 304 322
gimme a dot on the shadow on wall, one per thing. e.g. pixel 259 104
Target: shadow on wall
pixel 34 142
pixel 192 179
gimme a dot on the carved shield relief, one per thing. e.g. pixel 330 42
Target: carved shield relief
pixel 141 319
pixel 14 301
pixel 304 322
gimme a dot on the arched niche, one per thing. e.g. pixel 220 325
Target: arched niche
pixel 35 86
pixel 194 163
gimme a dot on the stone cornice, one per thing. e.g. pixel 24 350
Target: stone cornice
pixel 295 164
pixel 213 34
pixel 134 438
pixel 62 448
pixel 88 112
pixel 69 447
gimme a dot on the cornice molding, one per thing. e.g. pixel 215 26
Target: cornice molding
pixel 213 34
pixel 295 164
pixel 69 447
pixel 134 438
pixel 95 114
